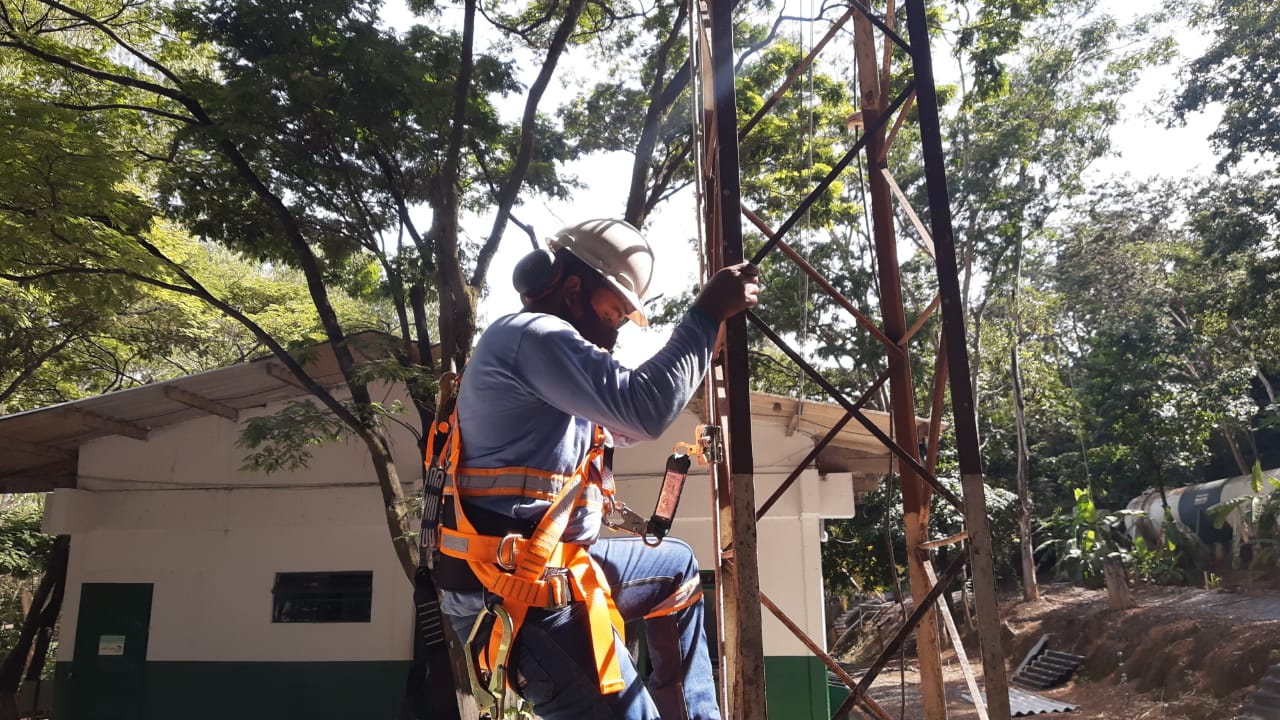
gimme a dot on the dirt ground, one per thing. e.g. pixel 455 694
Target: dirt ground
pixel 1187 653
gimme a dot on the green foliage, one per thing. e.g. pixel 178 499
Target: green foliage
pixel 1165 331
pixel 1160 564
pixel 331 109
pixel 1238 70
pixel 990 34
pixel 24 555
pixel 1255 524
pixel 83 279
pixel 856 556
pixel 24 549
pixel 1081 541
pixel 285 439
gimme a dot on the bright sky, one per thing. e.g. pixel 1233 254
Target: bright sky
pixel 1144 147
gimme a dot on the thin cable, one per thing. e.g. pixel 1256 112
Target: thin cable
pixel 897 584
pixel 862 188
pixel 695 136
pixel 808 213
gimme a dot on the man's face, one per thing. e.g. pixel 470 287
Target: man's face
pixel 598 314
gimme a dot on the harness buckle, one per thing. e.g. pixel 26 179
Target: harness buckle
pixel 507 551
pixel 559 588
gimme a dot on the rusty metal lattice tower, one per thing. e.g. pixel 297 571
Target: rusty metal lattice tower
pixel 728 399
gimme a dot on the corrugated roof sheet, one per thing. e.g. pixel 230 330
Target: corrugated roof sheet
pixel 1022 703
pixel 38 447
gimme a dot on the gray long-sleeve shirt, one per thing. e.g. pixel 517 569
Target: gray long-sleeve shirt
pixel 534 389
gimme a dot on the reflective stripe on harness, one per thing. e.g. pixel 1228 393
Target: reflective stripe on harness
pixel 540 571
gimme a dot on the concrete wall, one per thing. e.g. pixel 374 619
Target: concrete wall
pixel 789 535
pixel 178 512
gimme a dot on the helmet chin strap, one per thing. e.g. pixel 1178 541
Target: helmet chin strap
pixel 588 324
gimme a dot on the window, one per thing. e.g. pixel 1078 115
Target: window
pixel 322 597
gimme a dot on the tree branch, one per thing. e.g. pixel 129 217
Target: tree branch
pixel 511 189
pixel 101 27
pixel 34 365
pixel 392 177
pixel 654 116
pixel 125 106
pixel 110 77
pixel 493 188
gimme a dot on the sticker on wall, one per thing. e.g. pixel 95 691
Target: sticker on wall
pixel 111 644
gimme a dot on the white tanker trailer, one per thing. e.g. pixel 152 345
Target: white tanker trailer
pixel 1190 505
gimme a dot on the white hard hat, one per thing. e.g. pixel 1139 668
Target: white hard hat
pixel 617 251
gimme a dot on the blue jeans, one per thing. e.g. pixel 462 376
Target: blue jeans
pixel 554 668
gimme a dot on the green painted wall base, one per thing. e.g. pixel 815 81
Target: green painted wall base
pixel 259 690
pixel 796 689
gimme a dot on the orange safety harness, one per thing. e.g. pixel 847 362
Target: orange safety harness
pixel 539 571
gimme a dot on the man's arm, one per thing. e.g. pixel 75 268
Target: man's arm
pixel 578 378
pixel 573 375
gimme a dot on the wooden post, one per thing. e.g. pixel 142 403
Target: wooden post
pixel 1118 595
pixel 962 657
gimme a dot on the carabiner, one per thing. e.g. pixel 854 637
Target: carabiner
pixel 490 695
pixel 620 517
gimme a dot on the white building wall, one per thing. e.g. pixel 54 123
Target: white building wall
pixel 789 545
pixel 178 512
pixel 213 563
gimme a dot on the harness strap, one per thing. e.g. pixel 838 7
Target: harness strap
pixel 684 596
pixel 517 569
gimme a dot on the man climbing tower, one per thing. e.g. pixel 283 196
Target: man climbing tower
pixel 541 405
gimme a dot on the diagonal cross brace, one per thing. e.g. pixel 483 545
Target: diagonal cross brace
pixel 820 446
pixel 871 427
pixel 836 171
pixel 930 599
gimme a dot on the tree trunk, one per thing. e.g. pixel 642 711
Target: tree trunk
pixel 661 98
pixel 43 613
pixel 1118 595
pixel 1229 435
pixel 1030 588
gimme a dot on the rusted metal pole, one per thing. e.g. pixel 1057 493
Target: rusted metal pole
pixel 915 493
pixel 962 401
pixel 740 570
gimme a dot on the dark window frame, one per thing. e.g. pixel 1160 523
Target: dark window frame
pixel 339 596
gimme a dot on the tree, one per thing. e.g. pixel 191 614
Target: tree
pixel 80 324
pixel 1240 70
pixel 1026 137
pixel 302 135
pixel 1150 369
pixel 25 554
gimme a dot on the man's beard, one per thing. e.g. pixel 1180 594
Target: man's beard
pixel 590 326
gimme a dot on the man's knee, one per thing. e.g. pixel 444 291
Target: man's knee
pixel 682 556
